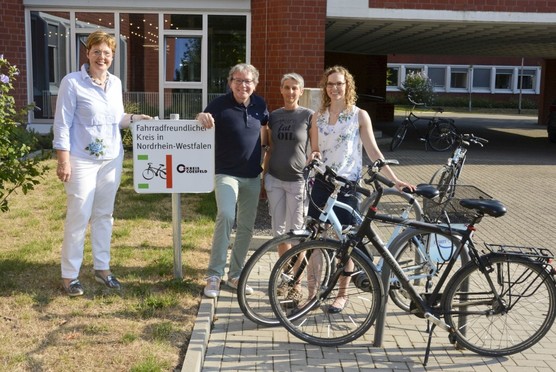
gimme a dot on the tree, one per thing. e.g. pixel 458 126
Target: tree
pixel 17 169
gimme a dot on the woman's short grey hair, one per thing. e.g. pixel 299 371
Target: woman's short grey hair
pixel 244 67
pixel 295 77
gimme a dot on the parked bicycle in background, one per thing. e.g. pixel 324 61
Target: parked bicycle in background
pixel 446 177
pixel 440 135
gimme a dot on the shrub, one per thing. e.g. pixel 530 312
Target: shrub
pixel 17 169
pixel 418 88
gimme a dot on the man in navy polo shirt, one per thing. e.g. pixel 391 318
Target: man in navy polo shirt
pixel 238 118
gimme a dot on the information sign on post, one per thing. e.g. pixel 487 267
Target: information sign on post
pixel 173 156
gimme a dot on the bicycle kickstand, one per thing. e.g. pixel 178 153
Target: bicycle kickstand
pixel 428 350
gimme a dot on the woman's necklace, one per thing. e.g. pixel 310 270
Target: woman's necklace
pixel 98 82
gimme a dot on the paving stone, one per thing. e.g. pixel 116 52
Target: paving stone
pixel 516 167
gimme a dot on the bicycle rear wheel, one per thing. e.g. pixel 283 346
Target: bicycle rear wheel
pixel 312 320
pixel 256 274
pixel 521 318
pixel 399 135
pixel 442 135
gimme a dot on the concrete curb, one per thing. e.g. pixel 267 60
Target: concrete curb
pixel 195 355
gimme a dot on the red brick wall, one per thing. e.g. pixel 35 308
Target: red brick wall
pixel 532 6
pixel 287 36
pixel 12 44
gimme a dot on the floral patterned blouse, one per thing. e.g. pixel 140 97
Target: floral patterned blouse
pixel 340 144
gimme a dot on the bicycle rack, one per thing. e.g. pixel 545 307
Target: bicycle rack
pixel 380 320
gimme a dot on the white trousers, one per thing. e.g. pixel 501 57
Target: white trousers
pixel 286 204
pixel 91 192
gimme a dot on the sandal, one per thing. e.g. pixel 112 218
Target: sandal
pixel 74 288
pixel 338 305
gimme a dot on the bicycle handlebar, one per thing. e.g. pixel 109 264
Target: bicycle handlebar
pixel 330 175
pixel 471 138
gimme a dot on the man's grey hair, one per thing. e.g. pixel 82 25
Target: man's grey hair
pixel 244 67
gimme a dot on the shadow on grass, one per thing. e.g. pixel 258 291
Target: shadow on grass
pixel 42 281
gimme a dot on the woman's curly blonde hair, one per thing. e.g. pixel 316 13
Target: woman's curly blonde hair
pixel 351 95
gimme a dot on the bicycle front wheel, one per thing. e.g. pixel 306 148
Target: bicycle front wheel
pixel 442 135
pixel 519 319
pixel 256 274
pixel 445 181
pixel 339 304
pixel 399 135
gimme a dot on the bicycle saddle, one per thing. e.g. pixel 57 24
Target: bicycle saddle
pixel 425 190
pixel 491 207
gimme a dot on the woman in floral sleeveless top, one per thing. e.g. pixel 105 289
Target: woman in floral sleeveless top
pixel 343 130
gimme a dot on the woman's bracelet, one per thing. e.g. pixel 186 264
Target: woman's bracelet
pixel 131 118
pixel 62 163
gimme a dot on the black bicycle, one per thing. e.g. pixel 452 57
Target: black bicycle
pixel 500 302
pixel 441 132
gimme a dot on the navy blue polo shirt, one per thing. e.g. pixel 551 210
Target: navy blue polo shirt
pixel 238 135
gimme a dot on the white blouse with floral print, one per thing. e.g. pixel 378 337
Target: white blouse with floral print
pixel 340 143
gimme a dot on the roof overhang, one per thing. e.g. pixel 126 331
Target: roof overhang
pixel 353 27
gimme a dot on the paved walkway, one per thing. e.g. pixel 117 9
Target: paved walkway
pixel 517 167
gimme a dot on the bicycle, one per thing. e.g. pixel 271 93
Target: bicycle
pixel 500 302
pixel 256 271
pixel 446 177
pixel 151 172
pixel 440 135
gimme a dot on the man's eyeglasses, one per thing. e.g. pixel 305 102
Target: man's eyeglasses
pixel 337 85
pixel 105 53
pixel 242 81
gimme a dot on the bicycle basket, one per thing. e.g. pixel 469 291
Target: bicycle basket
pixel 448 209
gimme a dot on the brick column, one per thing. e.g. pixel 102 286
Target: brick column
pixel 287 36
pixel 12 44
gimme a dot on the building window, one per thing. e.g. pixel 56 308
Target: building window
pixel 458 78
pixel 227 40
pixel 527 79
pixel 503 80
pixel 393 77
pixel 481 78
pixel 413 70
pixel 184 58
pixel 438 77
pixel 183 22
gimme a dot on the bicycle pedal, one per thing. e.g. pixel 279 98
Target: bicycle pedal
pixel 422 139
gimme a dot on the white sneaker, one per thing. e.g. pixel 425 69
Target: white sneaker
pixel 212 289
pixel 232 283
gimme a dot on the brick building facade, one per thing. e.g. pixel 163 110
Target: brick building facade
pixel 283 36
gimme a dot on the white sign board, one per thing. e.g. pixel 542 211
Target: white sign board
pixel 172 156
